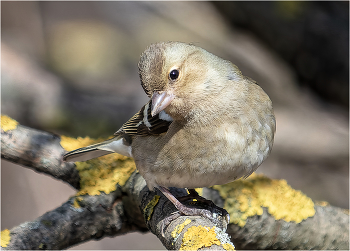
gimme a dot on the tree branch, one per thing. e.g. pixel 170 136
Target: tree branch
pixel 86 217
pixel 156 208
pixel 38 150
pixel 80 213
pixel 69 224
pixel 328 229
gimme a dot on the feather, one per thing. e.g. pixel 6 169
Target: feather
pixel 143 124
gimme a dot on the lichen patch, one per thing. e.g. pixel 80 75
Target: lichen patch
pixel 100 174
pixel 5 238
pixel 245 198
pixel 197 237
pixel 7 123
pixel 148 211
pixel 177 230
pixel 71 144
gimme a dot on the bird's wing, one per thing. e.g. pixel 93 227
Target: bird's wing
pixel 143 124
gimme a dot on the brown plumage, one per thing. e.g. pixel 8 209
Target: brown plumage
pixel 205 124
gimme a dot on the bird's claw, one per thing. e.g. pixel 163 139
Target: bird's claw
pixel 166 221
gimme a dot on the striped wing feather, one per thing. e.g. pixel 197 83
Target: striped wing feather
pixel 143 124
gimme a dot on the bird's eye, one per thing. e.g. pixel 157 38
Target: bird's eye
pixel 174 74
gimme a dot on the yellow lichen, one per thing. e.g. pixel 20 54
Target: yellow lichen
pixel 199 191
pixel 104 173
pixel 179 228
pixel 148 211
pixel 7 123
pixel 322 203
pixel 245 198
pixel 228 246
pixel 346 211
pixel 100 174
pixel 5 238
pixel 197 237
pixel 71 144
pixel 76 201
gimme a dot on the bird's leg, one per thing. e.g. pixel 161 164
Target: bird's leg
pixel 189 210
pixel 182 208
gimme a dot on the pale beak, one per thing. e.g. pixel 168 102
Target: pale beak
pixel 160 101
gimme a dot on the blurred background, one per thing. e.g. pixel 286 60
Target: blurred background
pixel 71 68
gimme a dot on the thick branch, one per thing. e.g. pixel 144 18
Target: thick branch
pixel 38 150
pixel 32 148
pixel 328 229
pixel 119 212
pixel 69 225
pixel 157 208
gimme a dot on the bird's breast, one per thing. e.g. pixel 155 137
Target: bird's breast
pixel 205 156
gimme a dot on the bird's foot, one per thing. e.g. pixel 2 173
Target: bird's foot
pixel 166 221
pixel 195 197
pixel 215 214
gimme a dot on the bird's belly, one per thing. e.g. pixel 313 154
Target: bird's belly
pixel 184 179
pixel 219 160
pixel 204 171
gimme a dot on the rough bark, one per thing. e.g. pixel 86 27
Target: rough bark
pixel 40 151
pixel 328 229
pixel 67 225
pixel 134 208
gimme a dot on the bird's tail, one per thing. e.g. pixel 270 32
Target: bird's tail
pixel 97 150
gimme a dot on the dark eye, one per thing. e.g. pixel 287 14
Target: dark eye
pixel 174 74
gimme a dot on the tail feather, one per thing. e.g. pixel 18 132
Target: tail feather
pixel 82 154
pixel 97 150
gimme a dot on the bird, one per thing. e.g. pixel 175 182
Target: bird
pixel 205 123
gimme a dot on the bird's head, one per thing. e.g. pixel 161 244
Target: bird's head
pixel 177 75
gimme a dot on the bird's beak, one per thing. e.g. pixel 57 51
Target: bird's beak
pixel 160 100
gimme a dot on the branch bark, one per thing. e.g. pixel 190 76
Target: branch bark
pixel 133 207
pixel 328 229
pixel 68 225
pixel 156 208
pixel 87 217
pixel 39 151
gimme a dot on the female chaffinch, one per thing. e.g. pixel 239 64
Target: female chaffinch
pixel 205 123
